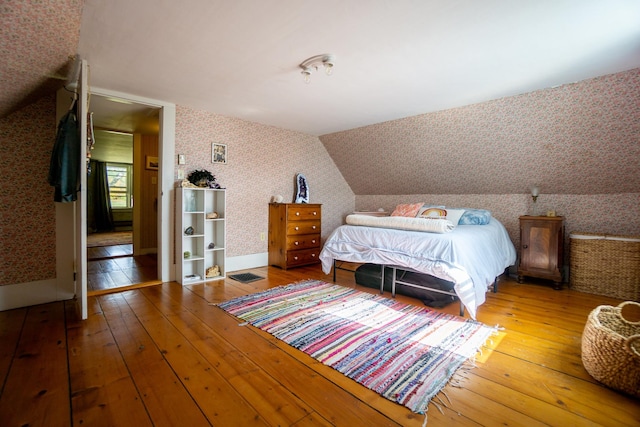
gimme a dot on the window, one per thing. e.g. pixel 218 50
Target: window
pixel 119 179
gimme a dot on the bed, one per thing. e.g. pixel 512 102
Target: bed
pixel 469 256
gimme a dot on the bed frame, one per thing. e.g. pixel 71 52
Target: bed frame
pixel 395 280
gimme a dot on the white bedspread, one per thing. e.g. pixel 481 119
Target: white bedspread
pixel 470 256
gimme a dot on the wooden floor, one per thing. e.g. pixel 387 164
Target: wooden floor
pixel 111 267
pixel 166 356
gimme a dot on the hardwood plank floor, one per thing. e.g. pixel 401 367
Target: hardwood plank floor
pixel 117 270
pixel 165 355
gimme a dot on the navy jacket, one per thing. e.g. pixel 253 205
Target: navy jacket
pixel 64 170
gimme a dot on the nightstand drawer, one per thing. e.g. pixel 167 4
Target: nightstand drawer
pixel 304 241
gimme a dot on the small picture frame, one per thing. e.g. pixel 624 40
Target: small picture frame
pixel 151 163
pixel 219 153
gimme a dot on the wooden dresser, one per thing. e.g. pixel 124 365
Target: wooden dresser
pixel 541 248
pixel 294 234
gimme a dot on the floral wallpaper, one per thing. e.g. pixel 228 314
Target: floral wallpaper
pixel 38 41
pixel 27 210
pixel 580 138
pixel 600 213
pixel 262 161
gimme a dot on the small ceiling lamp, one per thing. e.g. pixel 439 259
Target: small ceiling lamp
pixel 315 63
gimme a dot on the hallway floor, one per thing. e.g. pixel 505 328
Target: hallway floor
pixel 112 267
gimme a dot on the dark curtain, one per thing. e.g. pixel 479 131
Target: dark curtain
pixel 99 214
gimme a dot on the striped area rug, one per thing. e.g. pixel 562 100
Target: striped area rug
pixel 405 353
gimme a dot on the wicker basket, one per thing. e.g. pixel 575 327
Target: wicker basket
pixel 605 265
pixel 611 348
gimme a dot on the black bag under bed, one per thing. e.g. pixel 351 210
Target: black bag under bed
pixel 421 286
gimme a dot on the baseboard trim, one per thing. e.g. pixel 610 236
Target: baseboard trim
pixel 31 293
pixel 244 262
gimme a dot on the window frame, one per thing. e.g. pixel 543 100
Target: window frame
pixel 129 187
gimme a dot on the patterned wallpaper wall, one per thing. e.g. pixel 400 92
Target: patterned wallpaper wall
pixel 601 213
pixel 581 138
pixel 262 161
pixel 27 210
pixel 38 40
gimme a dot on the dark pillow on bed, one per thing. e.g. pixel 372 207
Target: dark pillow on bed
pixel 475 217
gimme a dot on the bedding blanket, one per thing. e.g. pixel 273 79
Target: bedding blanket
pixel 429 225
pixel 471 256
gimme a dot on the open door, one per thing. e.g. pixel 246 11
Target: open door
pixel 80 273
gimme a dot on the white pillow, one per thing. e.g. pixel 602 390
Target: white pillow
pixel 454 215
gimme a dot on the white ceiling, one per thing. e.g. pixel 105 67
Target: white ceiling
pixel 394 58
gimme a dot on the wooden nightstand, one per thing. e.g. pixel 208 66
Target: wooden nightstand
pixel 294 234
pixel 541 248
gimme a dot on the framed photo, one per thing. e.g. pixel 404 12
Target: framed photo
pixel 152 163
pixel 219 153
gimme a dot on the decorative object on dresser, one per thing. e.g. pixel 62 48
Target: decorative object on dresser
pixel 541 248
pixel 294 234
pixel 204 236
pixel 302 189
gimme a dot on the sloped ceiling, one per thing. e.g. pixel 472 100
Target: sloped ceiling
pixel 394 59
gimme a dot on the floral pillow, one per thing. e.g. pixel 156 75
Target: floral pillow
pixel 410 210
pixel 475 217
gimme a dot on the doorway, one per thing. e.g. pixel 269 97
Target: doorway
pixel 122 188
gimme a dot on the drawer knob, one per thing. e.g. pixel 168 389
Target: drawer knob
pixel 313 241
pixel 315 213
pixel 295 243
pixel 314 227
pixel 295 258
pixel 525 246
pixel 297 228
pixel 313 255
pixel 297 213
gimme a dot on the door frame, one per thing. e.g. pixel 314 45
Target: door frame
pixel 166 172
pixel 67 223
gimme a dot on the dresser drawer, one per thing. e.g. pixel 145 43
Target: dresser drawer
pixel 303 227
pixel 303 212
pixel 307 256
pixel 303 241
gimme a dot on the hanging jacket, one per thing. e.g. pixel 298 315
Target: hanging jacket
pixel 64 170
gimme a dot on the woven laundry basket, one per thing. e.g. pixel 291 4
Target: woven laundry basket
pixel 611 348
pixel 605 264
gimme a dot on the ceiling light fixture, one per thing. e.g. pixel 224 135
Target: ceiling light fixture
pixel 314 63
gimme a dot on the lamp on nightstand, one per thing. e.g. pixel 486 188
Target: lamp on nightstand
pixel 535 191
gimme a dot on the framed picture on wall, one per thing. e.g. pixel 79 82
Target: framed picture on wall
pixel 152 163
pixel 219 153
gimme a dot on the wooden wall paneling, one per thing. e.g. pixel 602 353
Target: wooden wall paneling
pixel 149 196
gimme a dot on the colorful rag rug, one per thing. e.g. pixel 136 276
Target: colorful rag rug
pixel 403 352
